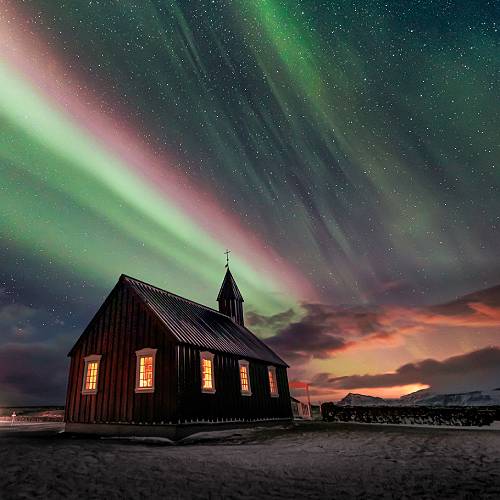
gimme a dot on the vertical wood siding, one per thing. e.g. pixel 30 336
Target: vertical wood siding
pixel 124 325
pixel 227 403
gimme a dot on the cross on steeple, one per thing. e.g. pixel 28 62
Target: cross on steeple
pixel 229 297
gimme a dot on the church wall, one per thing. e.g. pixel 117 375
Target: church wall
pixel 227 402
pixel 122 326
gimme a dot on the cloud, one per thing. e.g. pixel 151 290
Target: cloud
pixel 471 371
pixel 33 373
pixel 33 355
pixel 474 315
pixel 322 330
pixel 15 319
pixel 268 325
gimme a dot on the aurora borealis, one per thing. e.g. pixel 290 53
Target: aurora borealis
pixel 345 151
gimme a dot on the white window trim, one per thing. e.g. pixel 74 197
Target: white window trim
pixel 91 359
pixel 273 394
pixel 210 356
pixel 139 354
pixel 244 362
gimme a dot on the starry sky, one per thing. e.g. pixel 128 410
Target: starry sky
pixel 347 152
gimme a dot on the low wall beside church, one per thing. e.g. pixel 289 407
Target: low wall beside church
pixel 420 415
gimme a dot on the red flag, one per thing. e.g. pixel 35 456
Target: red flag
pixel 297 384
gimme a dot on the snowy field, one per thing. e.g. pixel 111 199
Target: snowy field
pixel 310 460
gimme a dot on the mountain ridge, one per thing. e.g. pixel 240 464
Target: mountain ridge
pixel 426 397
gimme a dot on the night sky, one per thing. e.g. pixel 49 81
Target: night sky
pixel 347 152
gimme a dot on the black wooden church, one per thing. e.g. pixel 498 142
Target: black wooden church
pixel 153 363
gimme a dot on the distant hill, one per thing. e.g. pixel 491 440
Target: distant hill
pixel 353 399
pixel 414 398
pixel 473 398
pixel 32 411
pixel 426 397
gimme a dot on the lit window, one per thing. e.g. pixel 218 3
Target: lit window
pixel 91 374
pixel 145 370
pixel 244 378
pixel 207 372
pixel 91 378
pixel 273 386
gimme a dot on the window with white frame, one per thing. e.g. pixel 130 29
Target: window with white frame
pixel 91 374
pixel 244 367
pixel 145 370
pixel 207 372
pixel 273 385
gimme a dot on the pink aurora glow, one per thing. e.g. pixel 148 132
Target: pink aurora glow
pixel 27 53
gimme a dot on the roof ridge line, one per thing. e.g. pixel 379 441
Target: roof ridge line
pixel 176 295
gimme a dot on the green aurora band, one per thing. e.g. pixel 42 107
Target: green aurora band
pixel 365 130
pixel 112 221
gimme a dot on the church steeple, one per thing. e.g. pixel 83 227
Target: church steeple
pixel 229 298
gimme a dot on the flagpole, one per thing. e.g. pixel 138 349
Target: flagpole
pixel 309 401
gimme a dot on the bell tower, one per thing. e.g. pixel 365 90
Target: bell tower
pixel 229 298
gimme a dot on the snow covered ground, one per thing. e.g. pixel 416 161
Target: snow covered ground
pixel 310 460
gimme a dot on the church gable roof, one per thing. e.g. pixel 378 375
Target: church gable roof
pixel 201 326
pixel 229 289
